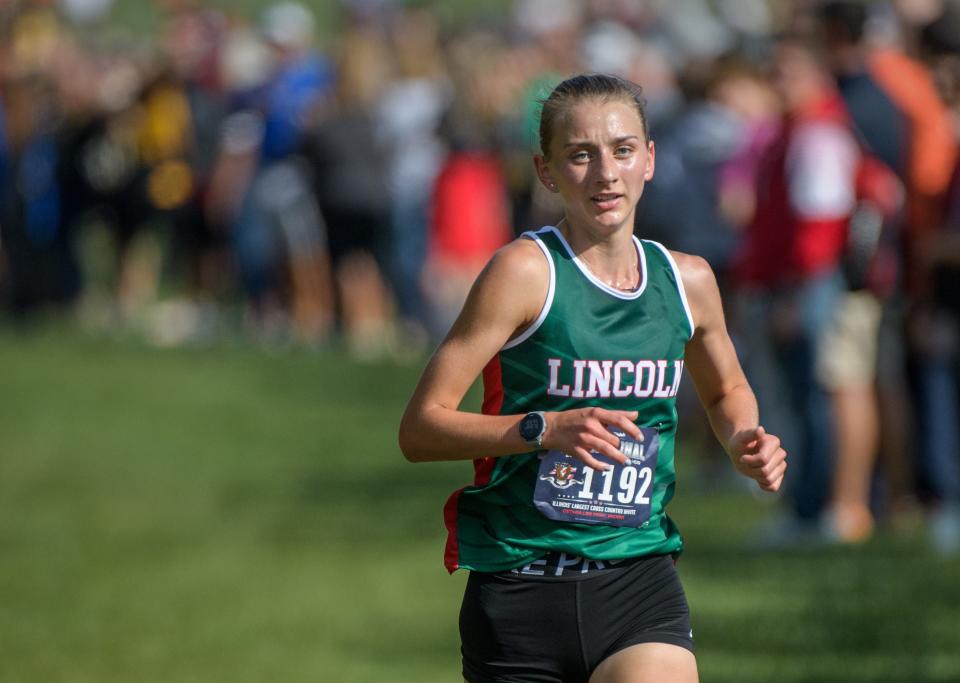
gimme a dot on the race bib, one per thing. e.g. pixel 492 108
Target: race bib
pixel 569 491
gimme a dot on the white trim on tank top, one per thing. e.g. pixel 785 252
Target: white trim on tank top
pixel 548 302
pixel 680 289
pixel 597 282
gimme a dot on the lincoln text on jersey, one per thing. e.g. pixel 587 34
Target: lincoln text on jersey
pixel 614 378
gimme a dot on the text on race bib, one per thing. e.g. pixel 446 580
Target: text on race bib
pixel 568 491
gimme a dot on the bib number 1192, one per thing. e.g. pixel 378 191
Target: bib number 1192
pixel 632 480
pixel 569 491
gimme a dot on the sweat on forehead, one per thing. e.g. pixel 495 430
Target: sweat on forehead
pixel 584 87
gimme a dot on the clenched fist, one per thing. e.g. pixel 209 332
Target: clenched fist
pixel 758 455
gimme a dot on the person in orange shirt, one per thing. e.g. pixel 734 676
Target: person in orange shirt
pixel 932 153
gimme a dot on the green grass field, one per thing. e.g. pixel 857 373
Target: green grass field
pixel 227 514
pixel 141 17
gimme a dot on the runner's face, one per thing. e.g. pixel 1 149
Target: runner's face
pixel 599 162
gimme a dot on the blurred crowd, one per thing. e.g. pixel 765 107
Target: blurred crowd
pixel 346 183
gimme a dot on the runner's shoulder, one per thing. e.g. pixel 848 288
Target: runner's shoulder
pixel 697 275
pixel 700 286
pixel 520 266
pixel 691 265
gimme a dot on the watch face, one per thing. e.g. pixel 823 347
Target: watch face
pixel 531 426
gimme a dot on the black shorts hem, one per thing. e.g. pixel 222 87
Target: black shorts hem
pixel 684 641
pixel 485 679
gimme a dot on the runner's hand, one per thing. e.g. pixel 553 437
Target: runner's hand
pixel 758 455
pixel 583 431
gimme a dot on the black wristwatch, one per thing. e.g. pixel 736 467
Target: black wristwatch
pixel 532 428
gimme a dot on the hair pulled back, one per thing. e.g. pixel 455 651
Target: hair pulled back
pixel 604 87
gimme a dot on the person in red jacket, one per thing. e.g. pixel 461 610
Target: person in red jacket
pixel 470 220
pixel 789 269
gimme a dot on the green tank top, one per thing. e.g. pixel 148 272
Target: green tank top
pixel 591 345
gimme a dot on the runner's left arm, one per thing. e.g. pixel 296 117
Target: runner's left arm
pixel 721 384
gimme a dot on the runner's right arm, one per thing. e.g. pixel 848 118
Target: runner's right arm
pixel 506 298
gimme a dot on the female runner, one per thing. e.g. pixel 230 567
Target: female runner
pixel 581 332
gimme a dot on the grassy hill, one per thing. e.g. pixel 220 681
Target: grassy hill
pixel 236 515
pixel 141 17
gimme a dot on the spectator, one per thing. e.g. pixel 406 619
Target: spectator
pixel 937 335
pixel 279 233
pixel 789 269
pixel 43 266
pixel 470 221
pixel 409 112
pixel 192 47
pixel 882 130
pixel 346 156
pixel 744 92
pixel 929 160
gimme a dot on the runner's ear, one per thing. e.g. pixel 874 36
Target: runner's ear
pixel 543 173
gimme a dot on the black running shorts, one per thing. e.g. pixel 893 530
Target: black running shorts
pixel 524 627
